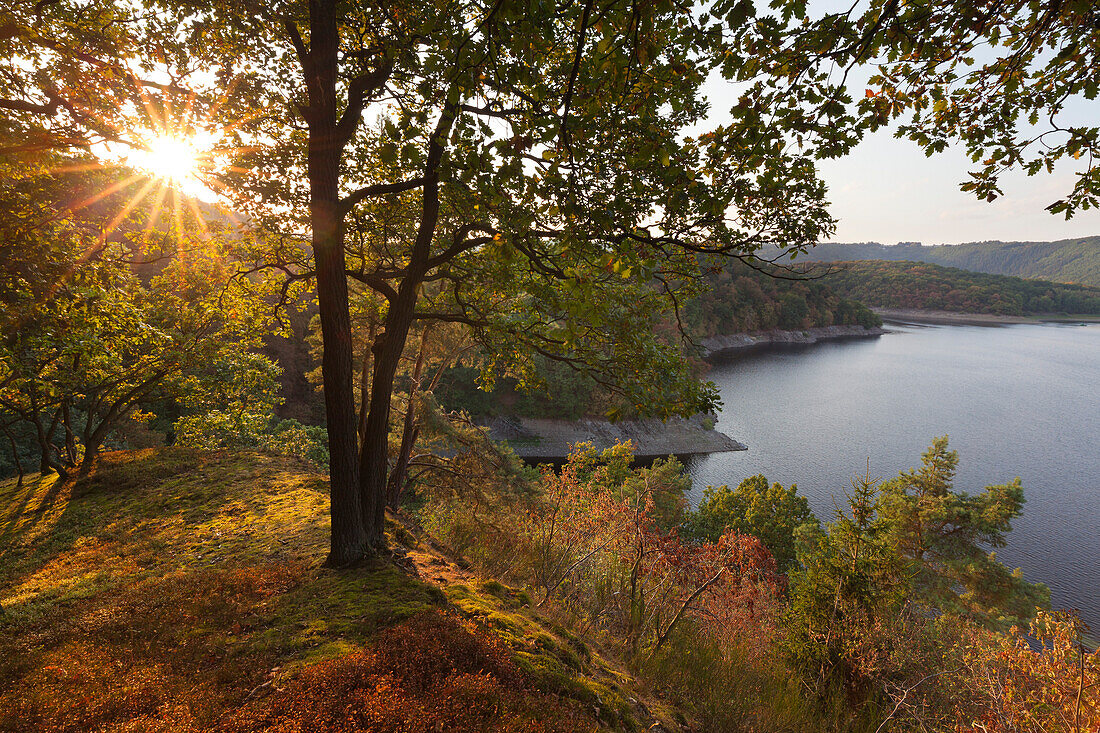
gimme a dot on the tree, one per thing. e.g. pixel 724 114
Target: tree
pixel 107 305
pixel 778 517
pixel 538 152
pixel 535 158
pixel 849 583
pixel 943 535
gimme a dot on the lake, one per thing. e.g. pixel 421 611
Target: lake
pixel 1021 400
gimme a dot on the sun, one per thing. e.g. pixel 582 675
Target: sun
pixel 175 159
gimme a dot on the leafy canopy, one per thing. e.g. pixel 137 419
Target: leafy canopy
pixel 1008 80
pixel 777 516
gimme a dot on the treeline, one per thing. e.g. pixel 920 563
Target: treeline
pixel 742 300
pixel 1066 261
pixel 924 286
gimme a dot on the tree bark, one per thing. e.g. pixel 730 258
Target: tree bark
pixel 409 431
pixel 348 540
pixel 374 453
pixel 70 436
pixel 46 446
pixel 45 465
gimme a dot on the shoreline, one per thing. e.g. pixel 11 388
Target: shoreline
pixel 718 346
pixel 955 318
pixel 551 440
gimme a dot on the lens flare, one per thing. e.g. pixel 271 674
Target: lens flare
pixel 174 159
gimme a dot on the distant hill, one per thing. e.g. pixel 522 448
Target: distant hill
pixel 1065 261
pixel 926 286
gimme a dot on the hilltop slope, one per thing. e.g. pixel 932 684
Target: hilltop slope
pixel 179 591
pixel 925 286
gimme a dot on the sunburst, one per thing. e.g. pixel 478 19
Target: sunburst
pixel 178 160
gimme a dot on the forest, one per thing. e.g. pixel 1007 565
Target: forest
pixel 741 299
pixel 541 194
pixel 921 286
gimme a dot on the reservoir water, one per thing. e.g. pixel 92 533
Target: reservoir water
pixel 1020 400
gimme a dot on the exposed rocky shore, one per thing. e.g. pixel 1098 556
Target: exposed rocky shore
pixel 719 345
pixel 954 318
pixel 550 440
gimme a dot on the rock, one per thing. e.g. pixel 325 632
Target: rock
pixel 550 440
pixel 718 345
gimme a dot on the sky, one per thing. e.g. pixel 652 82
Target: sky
pixel 887 191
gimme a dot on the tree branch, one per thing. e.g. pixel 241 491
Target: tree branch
pixel 360 89
pixel 378 189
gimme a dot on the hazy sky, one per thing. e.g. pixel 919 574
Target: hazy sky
pixel 888 191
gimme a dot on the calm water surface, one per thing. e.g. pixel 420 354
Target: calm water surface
pixel 1016 401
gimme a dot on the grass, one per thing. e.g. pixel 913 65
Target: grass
pixel 173 590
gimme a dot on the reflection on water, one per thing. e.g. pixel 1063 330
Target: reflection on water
pixel 1016 401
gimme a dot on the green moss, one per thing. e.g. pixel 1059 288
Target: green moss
pixel 493 587
pixel 545 652
pixel 397 534
pixel 146 515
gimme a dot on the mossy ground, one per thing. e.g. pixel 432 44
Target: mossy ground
pixel 170 588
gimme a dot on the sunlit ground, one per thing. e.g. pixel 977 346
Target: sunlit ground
pixel 180 591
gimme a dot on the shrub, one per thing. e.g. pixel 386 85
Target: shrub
pixel 779 517
pixel 225 429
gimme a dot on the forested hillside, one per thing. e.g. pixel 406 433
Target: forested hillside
pixel 925 286
pixel 741 300
pixel 1066 261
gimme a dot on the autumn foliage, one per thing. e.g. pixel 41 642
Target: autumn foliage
pixel 599 541
pixel 1019 688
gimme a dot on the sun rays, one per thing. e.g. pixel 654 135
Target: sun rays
pixel 178 160
pixel 163 191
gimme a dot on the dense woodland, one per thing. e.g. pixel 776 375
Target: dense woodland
pixel 741 299
pixel 922 286
pixel 508 189
pixel 1064 261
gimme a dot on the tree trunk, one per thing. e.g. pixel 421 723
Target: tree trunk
pixel 46 446
pixel 91 449
pixel 348 540
pixel 45 465
pixel 364 378
pixel 70 436
pixel 374 454
pixel 409 431
pixel 15 454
